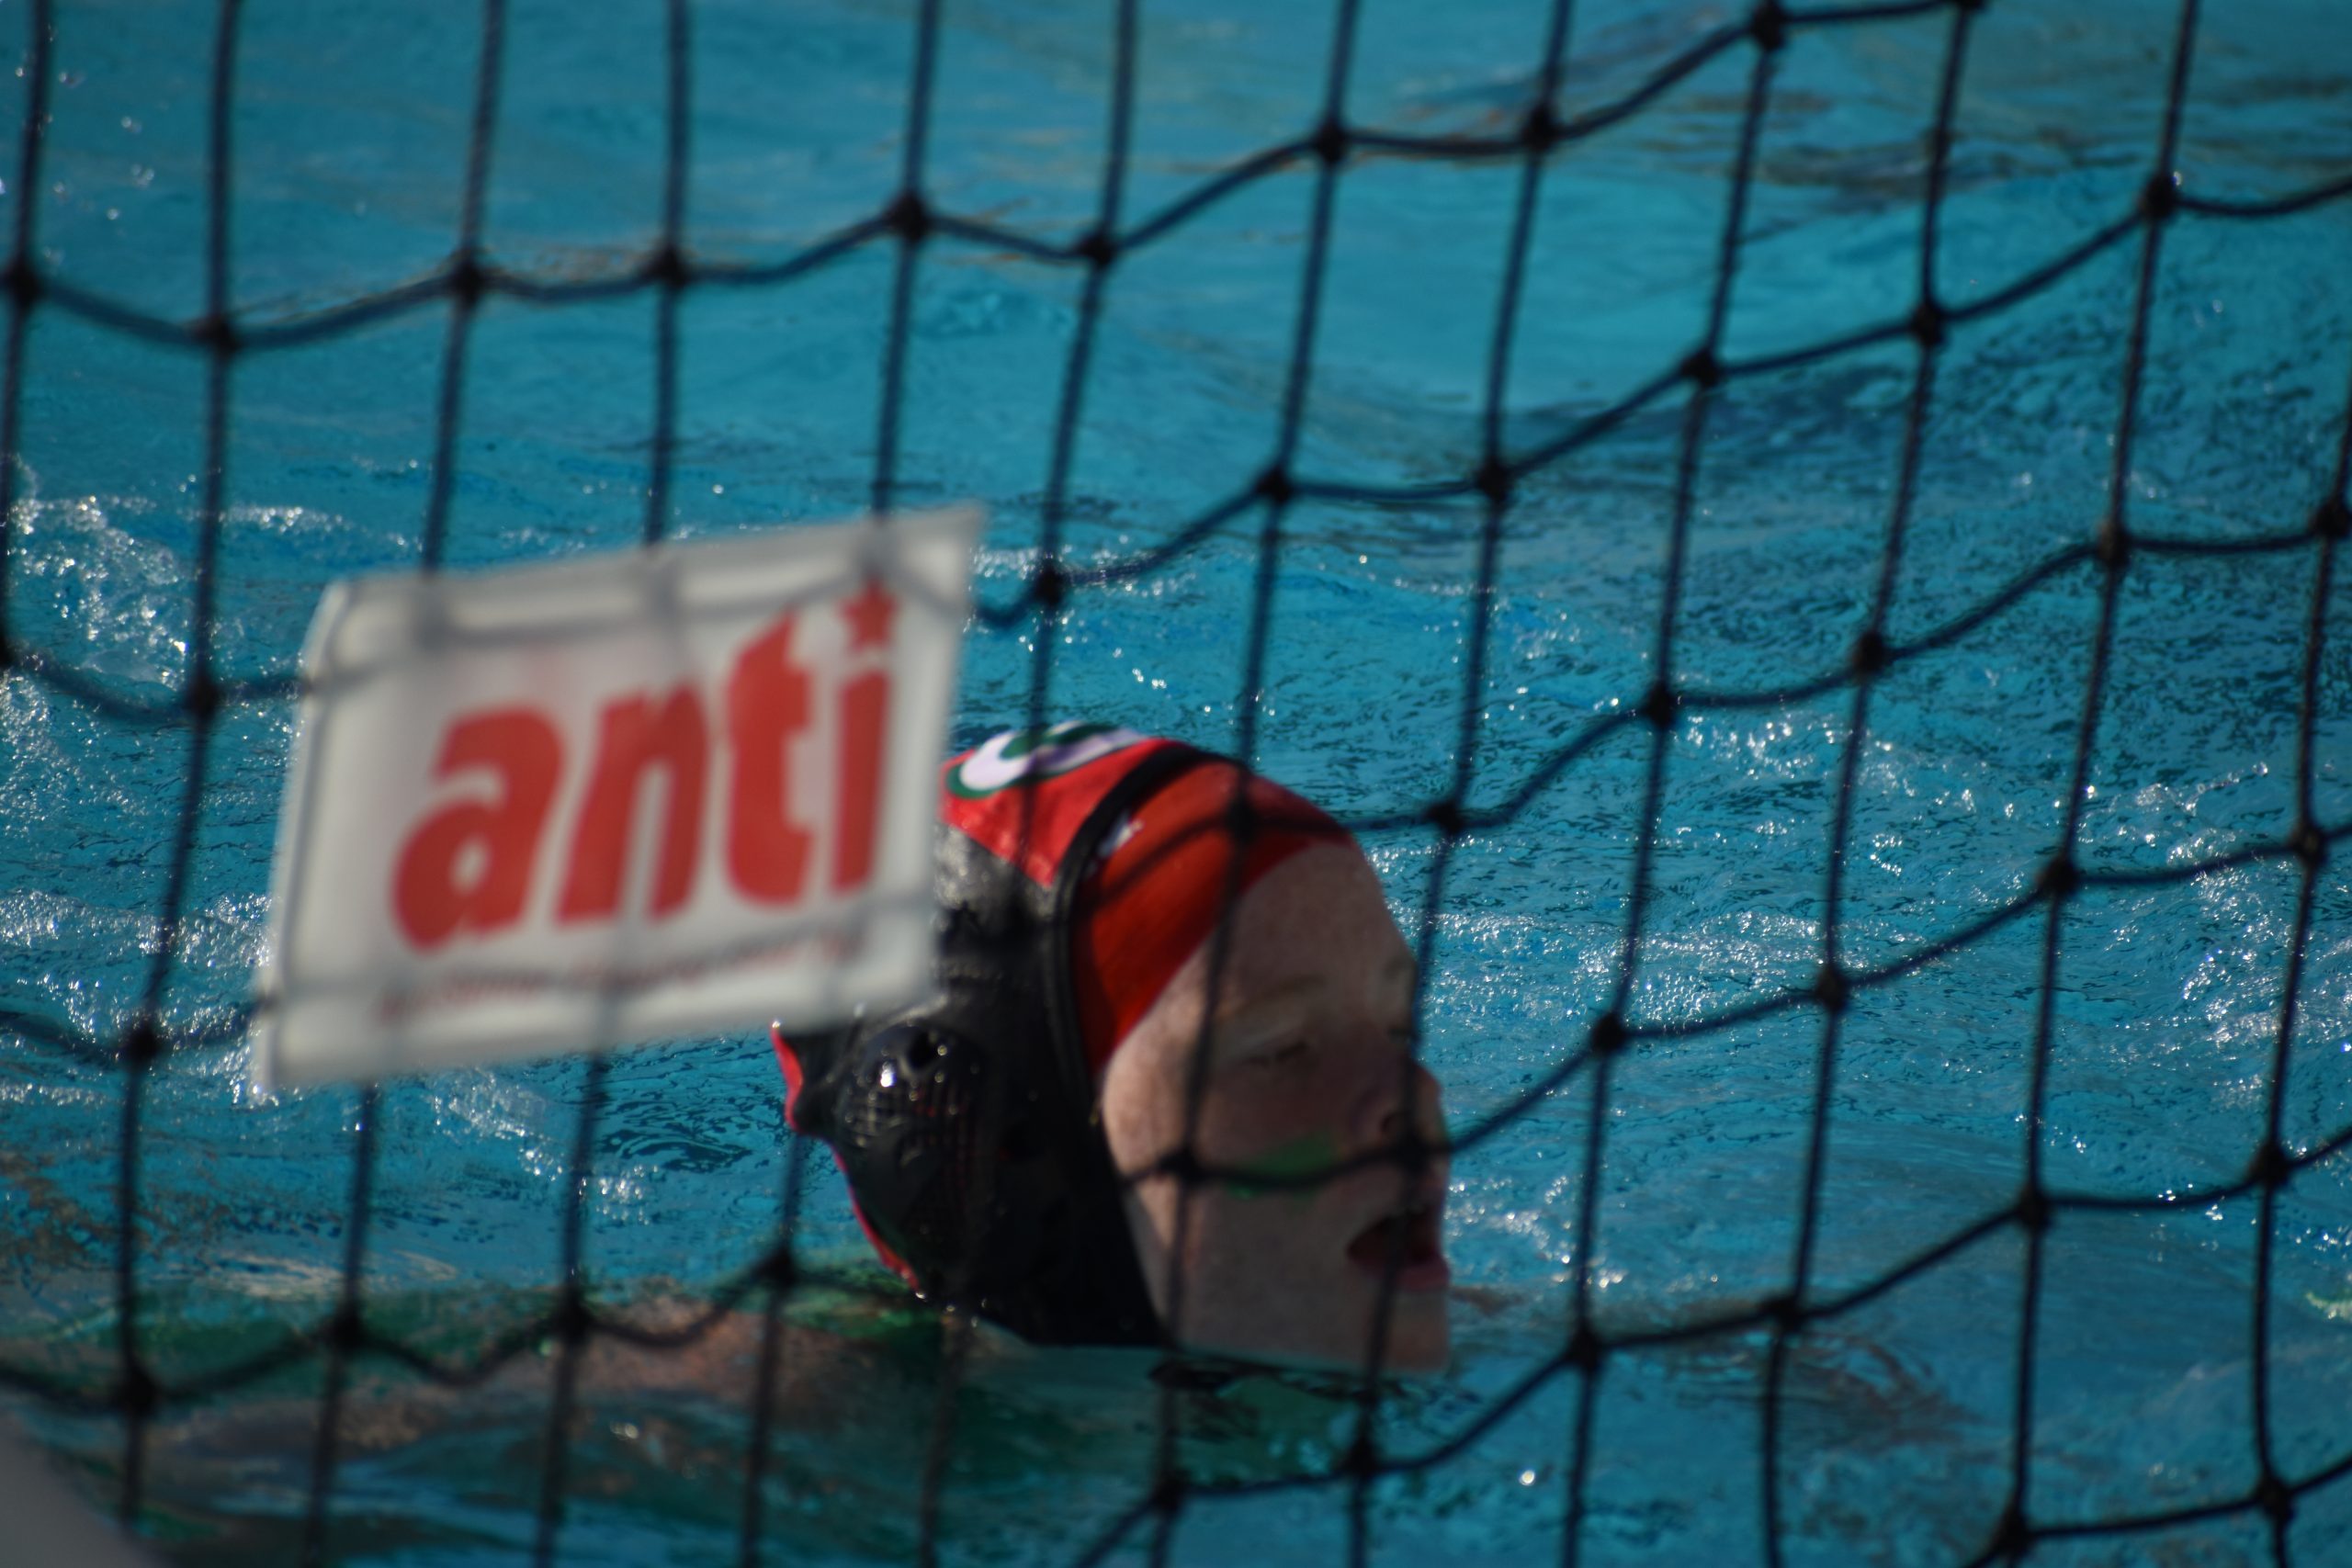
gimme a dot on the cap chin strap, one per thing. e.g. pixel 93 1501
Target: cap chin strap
pixel 1085 846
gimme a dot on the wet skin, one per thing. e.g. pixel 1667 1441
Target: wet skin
pixel 1308 1067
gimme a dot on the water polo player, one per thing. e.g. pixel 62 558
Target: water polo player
pixel 1007 1144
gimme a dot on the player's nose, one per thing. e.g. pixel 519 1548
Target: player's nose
pixel 1398 1095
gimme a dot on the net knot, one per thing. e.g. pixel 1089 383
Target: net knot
pixel 1050 586
pixel 2060 876
pixel 2114 547
pixel 2271 1165
pixel 2160 197
pixel 1184 1166
pixel 201 700
pixel 1659 704
pixel 1168 1493
pixel 1784 1312
pixel 2333 519
pixel 24 282
pixel 1927 324
pixel 781 1272
pixel 2013 1536
pixel 1768 26
pixel 141 1044
pixel 2310 845
pixel 1493 480
pixel 137 1395
pixel 217 333
pixel 344 1331
pixel 1870 655
pixel 667 267
pixel 1098 249
pixel 1539 131
pixel 909 218
pixel 1447 816
pixel 1608 1036
pixel 1584 1351
pixel 2033 1210
pixel 1330 142
pixel 571 1321
pixel 1703 369
pixel 1363 1457
pixel 2277 1498
pixel 1275 485
pixel 468 280
pixel 1832 990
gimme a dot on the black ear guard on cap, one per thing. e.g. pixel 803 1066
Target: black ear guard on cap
pixel 912 1124
pixel 966 1126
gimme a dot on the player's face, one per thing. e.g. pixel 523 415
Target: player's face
pixel 1308 1066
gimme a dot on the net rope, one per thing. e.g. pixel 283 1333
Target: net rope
pixel 907 223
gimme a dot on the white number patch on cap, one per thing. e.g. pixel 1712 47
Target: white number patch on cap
pixel 1005 760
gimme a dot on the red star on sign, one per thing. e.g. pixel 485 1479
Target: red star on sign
pixel 869 614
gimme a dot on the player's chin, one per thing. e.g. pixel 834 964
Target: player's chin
pixel 1420 1334
pixel 1418 1338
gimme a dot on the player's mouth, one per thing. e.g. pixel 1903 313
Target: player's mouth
pixel 1412 1234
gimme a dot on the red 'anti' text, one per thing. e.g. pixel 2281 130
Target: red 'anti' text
pixel 470 865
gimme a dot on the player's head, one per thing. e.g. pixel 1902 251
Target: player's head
pixel 1018 1143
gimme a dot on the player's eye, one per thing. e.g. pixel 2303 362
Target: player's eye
pixel 1287 1054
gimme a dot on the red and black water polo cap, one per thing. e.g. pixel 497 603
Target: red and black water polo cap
pixel 1078 866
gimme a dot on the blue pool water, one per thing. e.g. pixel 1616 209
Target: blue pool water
pixel 350 133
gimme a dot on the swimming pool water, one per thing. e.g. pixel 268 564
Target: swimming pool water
pixel 350 135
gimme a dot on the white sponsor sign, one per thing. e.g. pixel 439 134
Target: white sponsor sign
pixel 665 791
